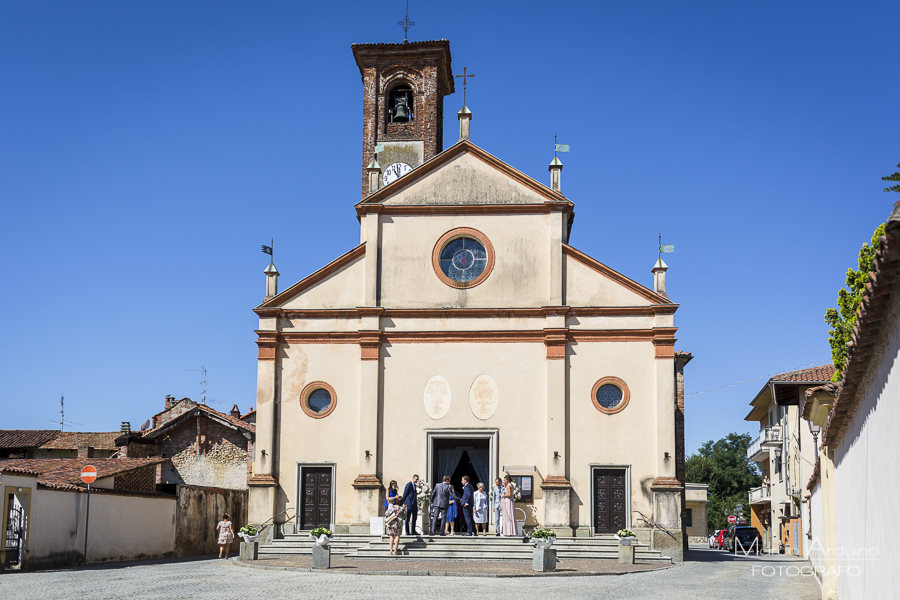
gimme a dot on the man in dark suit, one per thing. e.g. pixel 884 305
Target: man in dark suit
pixel 467 502
pixel 440 502
pixel 410 499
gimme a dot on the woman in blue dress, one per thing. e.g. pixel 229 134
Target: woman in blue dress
pixel 450 523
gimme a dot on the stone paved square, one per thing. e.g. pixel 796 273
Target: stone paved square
pixel 709 574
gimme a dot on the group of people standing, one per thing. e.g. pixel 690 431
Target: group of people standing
pixel 402 510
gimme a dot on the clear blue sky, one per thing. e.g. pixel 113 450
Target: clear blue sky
pixel 147 149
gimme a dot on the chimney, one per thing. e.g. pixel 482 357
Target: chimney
pixel 374 171
pixel 88 451
pixel 235 412
pixel 170 400
pixel 271 280
pixel 555 174
pixel 126 427
pixel 464 115
pixel 659 276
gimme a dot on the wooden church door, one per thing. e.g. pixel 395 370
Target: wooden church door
pixel 316 498
pixel 609 500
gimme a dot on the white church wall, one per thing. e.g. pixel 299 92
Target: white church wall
pixel 520 276
pixel 342 289
pixel 624 438
pixel 465 179
pixel 580 322
pixel 520 414
pixel 297 324
pixel 464 324
pixel 587 287
pixel 329 439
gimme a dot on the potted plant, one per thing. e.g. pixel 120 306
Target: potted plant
pixel 626 537
pixel 543 538
pixel 322 536
pixel 250 533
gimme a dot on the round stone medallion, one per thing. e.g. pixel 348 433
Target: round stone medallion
pixel 437 397
pixel 484 397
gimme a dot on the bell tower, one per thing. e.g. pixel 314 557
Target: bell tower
pixel 403 105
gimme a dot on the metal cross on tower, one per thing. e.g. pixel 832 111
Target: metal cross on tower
pixel 406 24
pixel 465 77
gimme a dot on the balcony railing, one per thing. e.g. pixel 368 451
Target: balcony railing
pixel 761 494
pixel 770 436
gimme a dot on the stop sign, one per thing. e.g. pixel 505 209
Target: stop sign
pixel 731 519
pixel 89 474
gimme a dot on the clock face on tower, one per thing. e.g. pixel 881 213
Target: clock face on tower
pixel 394 172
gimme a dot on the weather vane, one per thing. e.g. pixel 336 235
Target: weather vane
pixel 270 250
pixel 559 147
pixel 465 77
pixel 406 24
pixel 665 248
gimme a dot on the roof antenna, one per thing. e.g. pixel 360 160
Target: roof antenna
pixel 406 24
pixel 62 415
pixel 203 382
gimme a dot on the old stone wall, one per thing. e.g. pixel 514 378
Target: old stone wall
pixel 199 510
pixel 206 453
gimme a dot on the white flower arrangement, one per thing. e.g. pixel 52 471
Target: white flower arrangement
pixel 423 494
pixel 624 533
pixel 516 493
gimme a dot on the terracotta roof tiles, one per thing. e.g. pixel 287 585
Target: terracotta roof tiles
pixel 26 438
pixel 823 373
pixel 65 473
pixel 71 440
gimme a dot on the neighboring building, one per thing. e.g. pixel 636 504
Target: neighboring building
pixel 51 443
pixel 44 512
pixel 464 335
pixel 21 443
pixel 205 447
pixel 695 521
pixel 785 452
pixel 855 485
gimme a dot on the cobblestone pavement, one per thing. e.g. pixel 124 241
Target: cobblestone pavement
pixel 709 574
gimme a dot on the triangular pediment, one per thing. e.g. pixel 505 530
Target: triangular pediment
pixel 462 175
pixel 591 283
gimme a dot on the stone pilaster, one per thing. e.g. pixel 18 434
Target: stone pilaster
pixel 263 483
pixel 367 486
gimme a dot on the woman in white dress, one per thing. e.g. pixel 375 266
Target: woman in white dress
pixel 481 510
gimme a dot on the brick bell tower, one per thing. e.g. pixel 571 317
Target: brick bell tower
pixel 403 105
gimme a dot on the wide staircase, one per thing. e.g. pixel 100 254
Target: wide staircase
pixel 361 547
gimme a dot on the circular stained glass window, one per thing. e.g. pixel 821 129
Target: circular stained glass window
pixel 609 396
pixel 319 400
pixel 463 259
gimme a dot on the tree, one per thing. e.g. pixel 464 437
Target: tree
pixel 723 466
pixel 842 319
pixel 893 177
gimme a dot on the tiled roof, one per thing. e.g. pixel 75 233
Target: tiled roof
pixel 249 413
pixel 65 473
pixel 210 412
pixel 823 374
pixel 26 438
pixel 72 440
pixel 880 297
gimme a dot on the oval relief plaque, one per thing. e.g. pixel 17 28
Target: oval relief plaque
pixel 437 397
pixel 484 397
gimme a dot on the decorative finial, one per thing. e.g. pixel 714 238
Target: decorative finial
pixel 406 24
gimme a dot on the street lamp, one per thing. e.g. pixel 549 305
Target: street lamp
pixel 814 430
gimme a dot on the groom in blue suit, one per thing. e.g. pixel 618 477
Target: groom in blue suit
pixel 410 499
pixel 467 502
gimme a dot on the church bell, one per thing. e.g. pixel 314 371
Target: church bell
pixel 400 110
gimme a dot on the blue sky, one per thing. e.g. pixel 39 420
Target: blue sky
pixel 147 149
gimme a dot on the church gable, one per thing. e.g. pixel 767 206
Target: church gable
pixel 340 284
pixel 589 282
pixel 464 175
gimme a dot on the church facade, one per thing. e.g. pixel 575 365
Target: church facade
pixel 464 335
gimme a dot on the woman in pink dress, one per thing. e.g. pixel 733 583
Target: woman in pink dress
pixel 508 510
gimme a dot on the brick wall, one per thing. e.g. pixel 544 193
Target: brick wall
pixel 383 71
pixel 139 480
pixel 205 453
